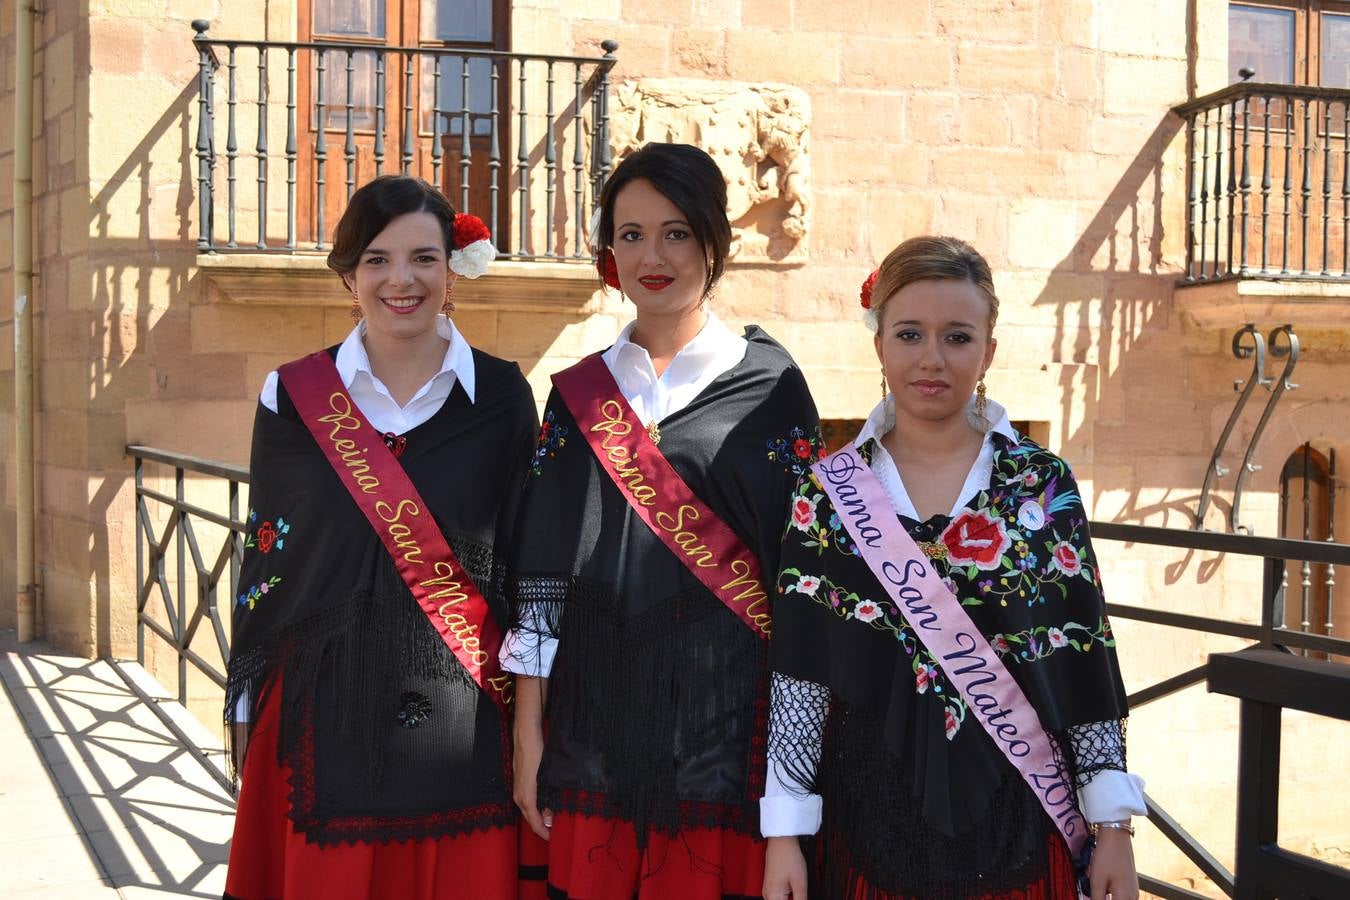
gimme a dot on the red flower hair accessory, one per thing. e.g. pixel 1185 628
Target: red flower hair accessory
pixel 609 269
pixel 473 246
pixel 866 292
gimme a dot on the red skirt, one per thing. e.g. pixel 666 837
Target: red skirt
pixel 1059 882
pixel 270 860
pixel 594 858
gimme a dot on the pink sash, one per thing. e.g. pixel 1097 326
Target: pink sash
pixel 704 543
pixel 385 494
pixel 940 622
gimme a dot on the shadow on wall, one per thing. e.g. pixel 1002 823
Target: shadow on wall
pixel 1119 257
pixel 130 275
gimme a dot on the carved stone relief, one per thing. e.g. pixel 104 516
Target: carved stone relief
pixel 757 133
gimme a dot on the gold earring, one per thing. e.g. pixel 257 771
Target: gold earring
pixel 448 306
pixel 884 392
pixel 980 399
pixel 356 312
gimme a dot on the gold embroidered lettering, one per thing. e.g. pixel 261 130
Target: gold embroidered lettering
pixel 401 533
pixel 353 457
pixel 448 586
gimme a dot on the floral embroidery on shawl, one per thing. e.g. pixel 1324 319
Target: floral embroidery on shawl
pixel 1020 541
pixel 552 438
pixel 268 535
pixel 796 452
pixel 253 594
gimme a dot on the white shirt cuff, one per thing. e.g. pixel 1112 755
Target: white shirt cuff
pixel 1112 796
pixel 786 811
pixel 528 653
pixel 241 709
pixel 789 815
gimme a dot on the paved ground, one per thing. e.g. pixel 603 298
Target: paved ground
pixel 98 798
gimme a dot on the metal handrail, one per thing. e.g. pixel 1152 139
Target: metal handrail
pixel 1244 89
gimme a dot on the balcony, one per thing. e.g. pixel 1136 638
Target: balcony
pixel 286 131
pixel 1268 206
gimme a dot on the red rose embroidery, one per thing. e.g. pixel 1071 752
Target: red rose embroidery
pixel 266 537
pixel 950 723
pixel 803 513
pixel 1065 558
pixel 802 448
pixel 976 538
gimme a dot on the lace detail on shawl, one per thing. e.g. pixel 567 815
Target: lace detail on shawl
pixel 798 710
pixel 875 830
pixel 1092 748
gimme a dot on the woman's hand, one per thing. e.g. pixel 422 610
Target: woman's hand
pixel 1111 872
pixel 784 870
pixel 529 749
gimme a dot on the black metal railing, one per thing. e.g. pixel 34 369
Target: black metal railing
pixel 1268 183
pixel 1271 631
pixel 1267 682
pixel 168 543
pixel 1266 631
pixel 519 139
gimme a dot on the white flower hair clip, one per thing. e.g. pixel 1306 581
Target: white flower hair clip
pixel 473 247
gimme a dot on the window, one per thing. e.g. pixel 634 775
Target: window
pixel 1291 41
pixel 1312 601
pixel 440 93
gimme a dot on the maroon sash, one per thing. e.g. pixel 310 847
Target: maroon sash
pixel 381 488
pixel 704 543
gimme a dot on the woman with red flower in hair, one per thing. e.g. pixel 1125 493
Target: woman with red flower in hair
pixel 648 542
pixel 947 712
pixel 370 722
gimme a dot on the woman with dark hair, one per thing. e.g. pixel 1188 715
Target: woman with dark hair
pixel 363 680
pixel 651 515
pixel 947 710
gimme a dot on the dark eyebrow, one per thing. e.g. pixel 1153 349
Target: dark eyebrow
pixel 950 324
pixel 428 249
pixel 663 224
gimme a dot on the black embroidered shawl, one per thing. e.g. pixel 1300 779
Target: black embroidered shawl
pixel 657 698
pixel 917 797
pixel 387 736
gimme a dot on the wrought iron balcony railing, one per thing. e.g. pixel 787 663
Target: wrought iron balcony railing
pixel 519 139
pixel 1268 183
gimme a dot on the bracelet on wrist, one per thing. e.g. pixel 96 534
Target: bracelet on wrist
pixel 1118 826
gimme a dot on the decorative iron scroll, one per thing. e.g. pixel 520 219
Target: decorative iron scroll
pixel 1256 351
pixel 1289 349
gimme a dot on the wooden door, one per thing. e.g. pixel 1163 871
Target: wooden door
pixel 402 102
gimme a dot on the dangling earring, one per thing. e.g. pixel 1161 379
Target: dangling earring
pixel 356 311
pixel 884 391
pixel 981 400
pixel 448 306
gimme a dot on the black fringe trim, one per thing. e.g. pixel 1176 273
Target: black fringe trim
pixel 653 697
